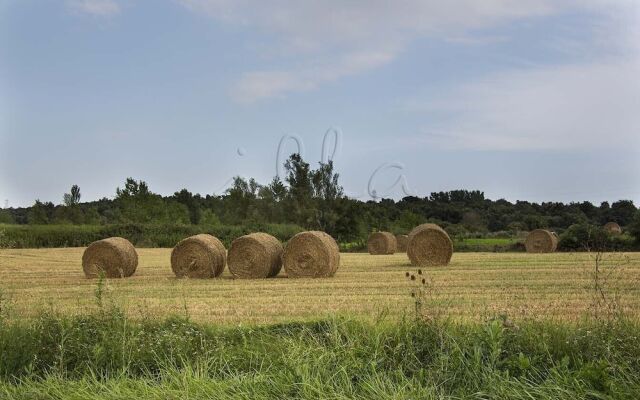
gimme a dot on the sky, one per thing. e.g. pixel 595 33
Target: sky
pixel 524 100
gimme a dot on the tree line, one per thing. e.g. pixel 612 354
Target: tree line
pixel 314 199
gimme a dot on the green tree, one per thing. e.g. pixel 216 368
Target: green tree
pixel 586 237
pixel 473 221
pixel 133 188
pixel 271 201
pixel 351 224
pixel 622 212
pixel 192 203
pixel 40 213
pixel 326 193
pixel 300 190
pixel 6 217
pixel 634 227
pixel 93 217
pixel 73 197
pixel 209 218
pixel 407 221
pixel 136 203
pixel 240 202
pixel 71 211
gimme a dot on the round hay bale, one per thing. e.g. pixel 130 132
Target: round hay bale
pixel 382 243
pixel 556 240
pixel 199 256
pixel 429 245
pixel 613 228
pixel 257 255
pixel 311 254
pixel 114 257
pixel 403 242
pixel 541 241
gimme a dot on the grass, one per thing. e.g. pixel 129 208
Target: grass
pixel 489 244
pixel 472 287
pixel 491 241
pixel 105 355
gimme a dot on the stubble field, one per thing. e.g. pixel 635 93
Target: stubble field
pixel 474 286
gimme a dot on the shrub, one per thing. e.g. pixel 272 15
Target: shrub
pixel 5 242
pixel 592 237
pixel 634 228
pixel 141 235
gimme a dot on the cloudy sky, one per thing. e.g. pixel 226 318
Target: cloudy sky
pixel 523 99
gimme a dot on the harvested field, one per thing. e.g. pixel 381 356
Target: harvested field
pixel 473 286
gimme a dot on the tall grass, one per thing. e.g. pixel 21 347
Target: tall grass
pixel 104 351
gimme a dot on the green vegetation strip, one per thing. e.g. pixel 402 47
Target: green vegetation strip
pixel 106 355
pixel 141 235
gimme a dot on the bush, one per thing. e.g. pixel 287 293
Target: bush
pixel 5 242
pixel 592 237
pixel 37 236
pixel 6 217
pixel 634 228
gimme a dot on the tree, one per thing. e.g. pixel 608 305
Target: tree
pixel 351 224
pixel 634 227
pixel 133 188
pixel 192 203
pixel 313 199
pixel 277 190
pixel 326 192
pixel 72 198
pixel 325 182
pixel 209 218
pixel 473 222
pixel 40 213
pixel 240 201
pixel 585 237
pixel 136 203
pixel 622 212
pixel 6 217
pixel 533 222
pixel 71 212
pixel 407 221
pixel 300 190
pixel 271 201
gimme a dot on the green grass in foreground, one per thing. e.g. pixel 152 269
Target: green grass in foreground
pixel 107 356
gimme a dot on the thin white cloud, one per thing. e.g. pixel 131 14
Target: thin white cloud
pixel 352 36
pixel 476 40
pixel 311 25
pixel 553 108
pixel 99 8
pixel 357 36
pixel 257 85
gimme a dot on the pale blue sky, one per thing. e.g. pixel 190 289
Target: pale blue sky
pixel 533 100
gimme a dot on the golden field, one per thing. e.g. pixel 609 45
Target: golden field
pixel 473 286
